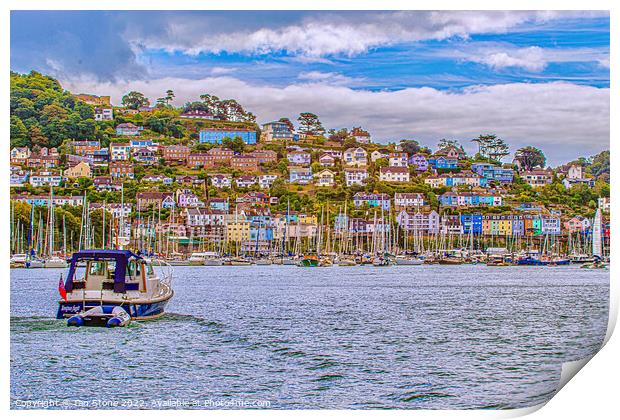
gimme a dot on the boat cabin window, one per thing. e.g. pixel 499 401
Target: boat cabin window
pixel 97 268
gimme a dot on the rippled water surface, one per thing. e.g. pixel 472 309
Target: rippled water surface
pixel 339 337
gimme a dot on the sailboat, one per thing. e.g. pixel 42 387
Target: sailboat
pixel 597 245
pixel 53 260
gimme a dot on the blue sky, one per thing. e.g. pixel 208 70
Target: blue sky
pixel 424 75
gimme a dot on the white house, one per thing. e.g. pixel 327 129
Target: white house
pixel 265 181
pixel 355 156
pixel 355 176
pixel 394 174
pixel 39 179
pixel 221 180
pixel 408 199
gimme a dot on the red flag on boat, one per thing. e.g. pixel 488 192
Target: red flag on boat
pixel 61 288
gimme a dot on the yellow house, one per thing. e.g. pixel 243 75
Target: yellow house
pixel 435 181
pixel 238 231
pixel 81 170
pixel 309 219
pixel 325 178
pixel 497 225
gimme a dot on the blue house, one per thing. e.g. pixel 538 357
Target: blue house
pixel 492 172
pixel 472 221
pixel 216 135
pixel 443 162
pixel 518 227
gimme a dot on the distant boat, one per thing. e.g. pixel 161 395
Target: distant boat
pixel 55 262
pixel 197 258
pixel 112 279
pixel 263 261
pixel 18 260
pixel 407 260
pixel 309 261
pixel 238 261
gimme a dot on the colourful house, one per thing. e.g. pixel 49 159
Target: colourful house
pixel 216 135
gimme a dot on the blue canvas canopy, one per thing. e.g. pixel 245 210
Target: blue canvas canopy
pixel 121 257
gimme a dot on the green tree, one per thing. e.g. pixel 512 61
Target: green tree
pixel 134 100
pixel 309 124
pixel 530 157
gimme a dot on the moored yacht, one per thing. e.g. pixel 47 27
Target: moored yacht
pixel 112 279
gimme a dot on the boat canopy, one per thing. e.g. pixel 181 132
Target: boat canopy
pixel 121 258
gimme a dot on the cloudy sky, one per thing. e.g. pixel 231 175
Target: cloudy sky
pixel 532 78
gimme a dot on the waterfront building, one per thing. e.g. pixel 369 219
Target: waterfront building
pixel 472 223
pixel 419 222
pixel 216 135
pixel 577 224
pixel 550 225
pixel 238 229
pixel 496 224
pixel 44 200
pixel 451 224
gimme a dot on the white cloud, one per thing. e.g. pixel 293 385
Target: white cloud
pixel 533 58
pixel 217 71
pixel 530 58
pixel 329 33
pixel 565 120
pixel 328 78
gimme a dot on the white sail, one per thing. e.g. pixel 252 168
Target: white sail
pixel 596 234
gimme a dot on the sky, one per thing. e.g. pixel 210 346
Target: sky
pixel 532 78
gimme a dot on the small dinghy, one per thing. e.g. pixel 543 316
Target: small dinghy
pixel 101 316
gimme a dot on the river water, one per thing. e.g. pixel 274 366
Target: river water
pixel 340 337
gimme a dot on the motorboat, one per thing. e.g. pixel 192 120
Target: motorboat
pixel 407 260
pixel 263 261
pixel 238 261
pixel 197 258
pixel 18 260
pixel 113 279
pixel 55 262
